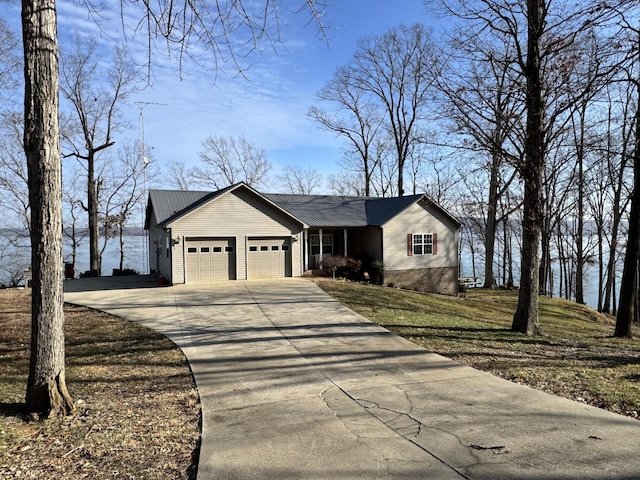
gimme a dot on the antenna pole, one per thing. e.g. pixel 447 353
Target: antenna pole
pixel 145 161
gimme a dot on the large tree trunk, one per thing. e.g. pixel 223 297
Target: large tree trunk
pixel 490 238
pixel 46 387
pixel 92 211
pixel 525 319
pixel 544 268
pixel 629 285
pixel 580 220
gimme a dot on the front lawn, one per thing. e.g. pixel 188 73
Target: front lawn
pixel 578 358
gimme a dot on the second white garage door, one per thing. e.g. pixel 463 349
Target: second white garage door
pixel 269 257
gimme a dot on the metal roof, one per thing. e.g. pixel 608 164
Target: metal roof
pixel 323 210
pixel 319 211
pixel 381 210
pixel 167 203
pixel 335 211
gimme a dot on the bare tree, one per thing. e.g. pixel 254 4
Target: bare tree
pixel 178 24
pixel 345 185
pixel 629 286
pixel 399 69
pixel 303 181
pixel 435 174
pixel 14 193
pixel 10 65
pixel 179 175
pixel 228 161
pixel 357 118
pixel 14 201
pixel 96 118
pixel 617 149
pixel 73 230
pixel 383 93
pixel 122 189
pixel 484 102
pixel 543 34
pixel 13 171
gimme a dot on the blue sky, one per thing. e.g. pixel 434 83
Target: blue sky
pixel 270 107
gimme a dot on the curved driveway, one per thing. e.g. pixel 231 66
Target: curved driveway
pixel 296 386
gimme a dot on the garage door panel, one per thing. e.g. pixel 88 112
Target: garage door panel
pixel 269 258
pixel 210 259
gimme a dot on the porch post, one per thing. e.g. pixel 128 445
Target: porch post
pixel 320 257
pixel 305 249
pixel 345 243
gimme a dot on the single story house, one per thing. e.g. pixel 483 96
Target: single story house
pixel 238 233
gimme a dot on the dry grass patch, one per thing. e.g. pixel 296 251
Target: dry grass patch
pixel 138 408
pixel 578 358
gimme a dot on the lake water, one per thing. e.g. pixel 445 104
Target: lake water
pixel 136 259
pixel 18 258
pixel 135 248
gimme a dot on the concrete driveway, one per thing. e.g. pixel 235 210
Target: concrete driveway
pixel 296 386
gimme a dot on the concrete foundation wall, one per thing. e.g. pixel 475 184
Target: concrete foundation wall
pixel 443 280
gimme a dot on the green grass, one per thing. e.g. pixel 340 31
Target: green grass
pixel 578 357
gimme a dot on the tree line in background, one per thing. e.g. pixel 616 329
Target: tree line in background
pixel 522 119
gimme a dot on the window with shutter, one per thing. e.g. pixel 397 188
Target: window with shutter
pixel 422 244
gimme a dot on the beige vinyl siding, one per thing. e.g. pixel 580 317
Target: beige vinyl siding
pixel 160 252
pixel 415 220
pixel 239 214
pixel 159 263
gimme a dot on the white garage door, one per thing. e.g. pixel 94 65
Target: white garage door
pixel 269 257
pixel 210 259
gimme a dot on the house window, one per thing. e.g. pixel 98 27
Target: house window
pixel 204 250
pixel 327 244
pixel 217 249
pixel 253 249
pixel 423 244
pixel 192 250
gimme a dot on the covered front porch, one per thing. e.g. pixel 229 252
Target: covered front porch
pixel 360 243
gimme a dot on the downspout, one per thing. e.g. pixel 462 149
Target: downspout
pixel 184 258
pixel 382 250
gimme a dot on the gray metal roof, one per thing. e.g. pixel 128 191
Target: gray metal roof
pixel 334 211
pixel 167 203
pixel 381 210
pixel 323 210
pixel 319 211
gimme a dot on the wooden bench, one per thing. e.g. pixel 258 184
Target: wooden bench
pixel 469 282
